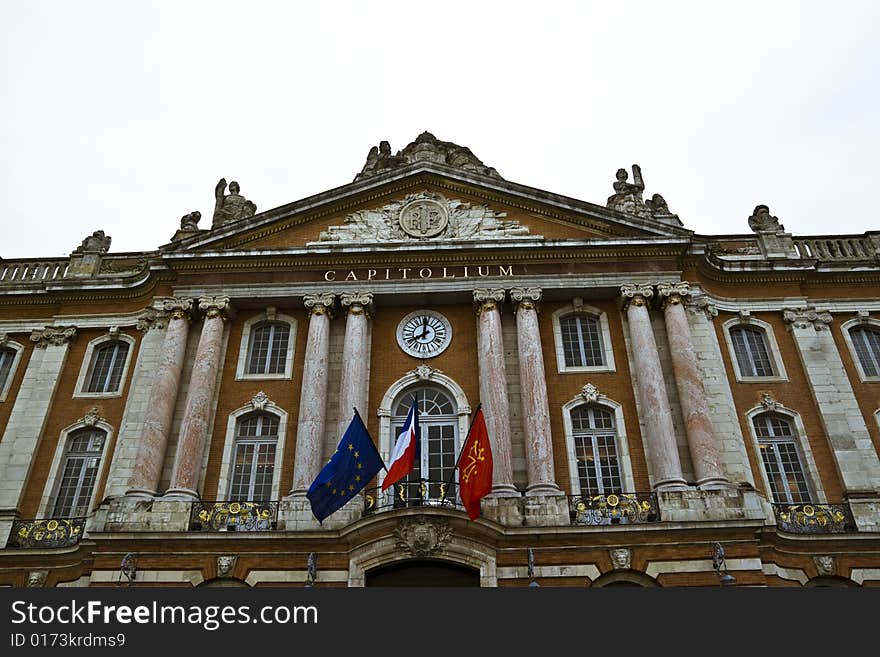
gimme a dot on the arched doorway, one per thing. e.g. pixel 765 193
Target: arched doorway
pixel 422 572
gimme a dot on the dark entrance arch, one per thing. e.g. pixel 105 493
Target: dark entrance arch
pixel 422 572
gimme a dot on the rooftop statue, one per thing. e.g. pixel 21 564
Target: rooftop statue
pixel 97 242
pixel 627 198
pixel 762 221
pixel 230 207
pixel 426 148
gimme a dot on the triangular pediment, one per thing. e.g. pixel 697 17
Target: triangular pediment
pixel 421 204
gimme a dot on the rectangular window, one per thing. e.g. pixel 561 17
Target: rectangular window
pixel 751 351
pixel 105 372
pixel 581 341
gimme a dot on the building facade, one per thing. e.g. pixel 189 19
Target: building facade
pixel 664 408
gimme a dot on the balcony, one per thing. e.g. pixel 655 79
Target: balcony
pixel 425 493
pixel 46 533
pixel 206 516
pixel 613 509
pixel 814 518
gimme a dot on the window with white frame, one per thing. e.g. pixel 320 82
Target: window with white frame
pixel 866 344
pixel 253 461
pixel 267 348
pixel 595 443
pixel 106 367
pixel 581 341
pixel 79 472
pixel 7 358
pixel 751 351
pixel 777 443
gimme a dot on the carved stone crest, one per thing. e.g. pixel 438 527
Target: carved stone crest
pixel 590 393
pixel 92 417
pixel 621 558
pixel 97 242
pixel 768 401
pixel 259 401
pixel 225 565
pixel 762 221
pixel 423 218
pixel 422 536
pixel 425 372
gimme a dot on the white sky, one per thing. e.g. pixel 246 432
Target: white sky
pixel 122 116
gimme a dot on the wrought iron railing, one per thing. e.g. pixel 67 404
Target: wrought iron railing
pixel 209 516
pixel 415 493
pixel 46 532
pixel 814 518
pixel 613 509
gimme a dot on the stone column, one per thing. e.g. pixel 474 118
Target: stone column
pixel 354 387
pixel 844 424
pixel 493 389
pixel 656 420
pixel 197 416
pixel 308 459
pixel 704 448
pixel 144 480
pixel 533 383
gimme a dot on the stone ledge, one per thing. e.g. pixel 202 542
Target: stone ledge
pixel 122 515
pixel 713 505
pixel 866 513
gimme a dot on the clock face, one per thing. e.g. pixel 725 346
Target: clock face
pixel 424 333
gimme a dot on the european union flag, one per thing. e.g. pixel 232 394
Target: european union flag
pixel 354 463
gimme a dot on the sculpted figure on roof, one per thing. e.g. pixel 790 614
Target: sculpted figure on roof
pixel 230 207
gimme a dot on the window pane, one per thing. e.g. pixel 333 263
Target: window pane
pixel 751 351
pixel 595 441
pixel 105 371
pixel 779 454
pixel 7 355
pixel 253 465
pixel 867 345
pixel 581 342
pixel 268 348
pixel 79 473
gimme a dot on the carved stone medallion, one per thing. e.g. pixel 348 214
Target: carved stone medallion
pixel 424 218
pixel 421 536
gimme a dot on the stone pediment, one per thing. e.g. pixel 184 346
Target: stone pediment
pixel 425 216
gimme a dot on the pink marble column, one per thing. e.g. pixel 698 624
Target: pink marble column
pixel 199 401
pixel 354 387
pixel 659 436
pixel 144 480
pixel 533 384
pixel 702 442
pixel 493 389
pixel 308 458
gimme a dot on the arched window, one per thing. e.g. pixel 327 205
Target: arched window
pixel 106 367
pixel 79 472
pixel 581 341
pixel 752 355
pixel 438 447
pixel 595 444
pixel 866 343
pixel 777 442
pixel 253 464
pixel 267 349
pixel 7 358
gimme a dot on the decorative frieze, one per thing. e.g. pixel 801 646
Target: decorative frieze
pixel 57 336
pixel 805 317
pixel 320 304
pixel 525 297
pixel 488 299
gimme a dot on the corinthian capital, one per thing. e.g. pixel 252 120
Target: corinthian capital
pixel 215 307
pixel 57 336
pixel 357 302
pixel 804 317
pixel 320 304
pixel 525 297
pixel 636 294
pixel 488 299
pixel 671 294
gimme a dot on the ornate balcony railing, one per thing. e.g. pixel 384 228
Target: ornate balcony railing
pixel 613 509
pixel 814 518
pixel 233 516
pixel 46 533
pixel 32 271
pixel 415 493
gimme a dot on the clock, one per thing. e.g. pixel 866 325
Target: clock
pixel 424 334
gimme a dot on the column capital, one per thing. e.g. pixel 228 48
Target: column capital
pixel 488 299
pixel 320 304
pixel 672 294
pixel 525 297
pixel 355 303
pixel 806 316
pixel 57 336
pixel 177 307
pixel 636 294
pixel 216 307
pixel 700 303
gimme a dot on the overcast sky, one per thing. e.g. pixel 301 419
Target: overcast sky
pixel 122 116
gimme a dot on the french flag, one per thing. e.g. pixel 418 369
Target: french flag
pixel 405 449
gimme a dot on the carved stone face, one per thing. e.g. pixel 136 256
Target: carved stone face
pixel 225 565
pixel 621 558
pixel 36 578
pixel 622 175
pixel 234 188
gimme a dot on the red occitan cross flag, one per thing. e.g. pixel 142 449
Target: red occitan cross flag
pixel 475 466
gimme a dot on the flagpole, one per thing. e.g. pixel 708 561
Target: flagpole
pixel 461 451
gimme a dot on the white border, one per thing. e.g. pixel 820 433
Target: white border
pixel 87 362
pixel 224 481
pixel 623 453
pixel 16 359
pixel 418 313
pixel 246 330
pixel 845 328
pixel 814 482
pixel 604 330
pixel 776 362
pixel 50 490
